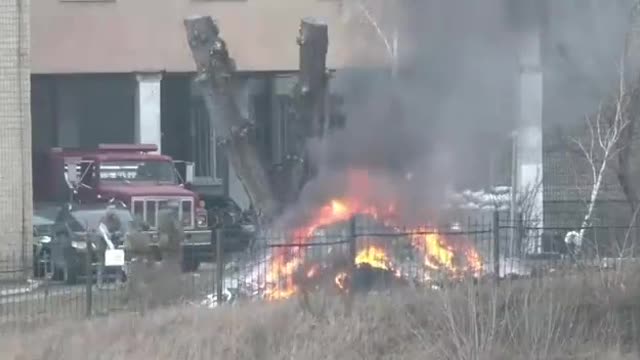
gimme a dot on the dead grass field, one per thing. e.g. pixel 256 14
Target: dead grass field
pixel 573 317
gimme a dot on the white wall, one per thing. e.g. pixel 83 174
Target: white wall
pixel 148 108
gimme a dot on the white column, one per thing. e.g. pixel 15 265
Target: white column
pixel 529 146
pixel 148 104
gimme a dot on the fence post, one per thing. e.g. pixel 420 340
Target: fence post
pixel 495 244
pixel 520 236
pixel 219 238
pixel 89 278
pixel 353 253
pixel 353 239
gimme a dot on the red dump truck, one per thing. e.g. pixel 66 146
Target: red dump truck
pixel 146 182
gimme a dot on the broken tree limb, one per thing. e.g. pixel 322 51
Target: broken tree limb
pixel 313 40
pixel 311 102
pixel 215 70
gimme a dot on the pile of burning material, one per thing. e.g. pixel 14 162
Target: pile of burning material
pixel 320 255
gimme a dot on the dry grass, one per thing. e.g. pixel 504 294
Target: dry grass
pixel 572 317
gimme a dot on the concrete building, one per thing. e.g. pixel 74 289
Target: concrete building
pixel 120 71
pixel 15 133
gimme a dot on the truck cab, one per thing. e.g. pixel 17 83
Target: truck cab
pixel 146 182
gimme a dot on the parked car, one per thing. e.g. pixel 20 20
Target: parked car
pixel 238 226
pixel 74 228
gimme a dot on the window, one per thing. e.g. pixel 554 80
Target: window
pixel 207 154
pixel 161 172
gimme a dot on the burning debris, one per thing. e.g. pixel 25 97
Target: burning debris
pixel 321 252
pixel 352 261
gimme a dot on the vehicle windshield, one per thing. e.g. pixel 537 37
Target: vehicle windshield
pixel 158 171
pixel 83 220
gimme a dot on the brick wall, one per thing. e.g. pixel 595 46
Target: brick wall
pixel 15 131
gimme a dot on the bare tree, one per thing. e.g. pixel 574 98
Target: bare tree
pixel 622 112
pixel 370 13
pixel 600 146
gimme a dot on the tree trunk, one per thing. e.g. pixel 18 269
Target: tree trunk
pixel 215 69
pixel 311 100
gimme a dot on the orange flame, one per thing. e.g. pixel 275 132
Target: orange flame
pixel 341 280
pixel 279 277
pixel 436 253
pixel 375 257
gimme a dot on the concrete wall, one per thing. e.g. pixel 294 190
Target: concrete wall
pixel 148 35
pixel 15 130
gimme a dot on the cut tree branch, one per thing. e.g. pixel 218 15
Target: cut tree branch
pixel 374 23
pixel 310 95
pixel 215 70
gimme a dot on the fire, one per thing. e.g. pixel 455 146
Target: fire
pixel 438 255
pixel 341 280
pixel 435 251
pixel 375 257
pixel 313 271
pixel 338 208
pixel 280 275
pixel 285 262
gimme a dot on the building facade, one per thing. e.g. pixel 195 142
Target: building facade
pixel 121 71
pixel 15 132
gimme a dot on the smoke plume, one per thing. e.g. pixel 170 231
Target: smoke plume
pixel 444 121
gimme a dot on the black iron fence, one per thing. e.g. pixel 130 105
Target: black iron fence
pixel 357 254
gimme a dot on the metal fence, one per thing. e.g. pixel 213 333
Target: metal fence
pixel 358 254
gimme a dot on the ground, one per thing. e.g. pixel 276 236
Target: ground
pixel 591 315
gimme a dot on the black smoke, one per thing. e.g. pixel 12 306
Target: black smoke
pixel 444 121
